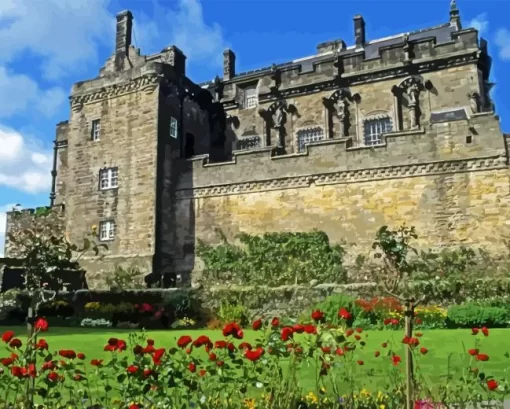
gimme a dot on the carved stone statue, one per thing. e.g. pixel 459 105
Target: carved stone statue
pixel 407 48
pixel 279 122
pixel 413 93
pixel 474 102
pixel 342 113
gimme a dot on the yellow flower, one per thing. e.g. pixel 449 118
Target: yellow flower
pixel 382 406
pixel 364 392
pixel 311 397
pixel 250 403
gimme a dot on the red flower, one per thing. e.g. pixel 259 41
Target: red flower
pixel 387 321
pixel 42 344
pixel 81 356
pixel 377 353
pixel 147 373
pixel 192 367
pixel 96 362
pixel 349 332
pixel 158 354
pixel 492 384
pixel 299 329
pixel 418 321
pixel 115 344
pixel 134 406
pixel 357 337
pixel 184 341
pixel 132 369
pixel 275 322
pixel 424 350
pixel 359 330
pixel 7 336
pixel 340 352
pixel 67 353
pixel 52 377
pixel 418 334
pixel 485 331
pixel 220 363
pixel 18 372
pixel 384 344
pixel 6 361
pixel 257 324
pixel 326 350
pixel 245 345
pixel 48 366
pixel 15 343
pixel 254 354
pixel 234 330
pixel 286 333
pixel 317 316
pixel 475 331
pixel 310 329
pixel 473 352
pixel 201 340
pixel 202 372
pixel 77 377
pixel 360 362
pixel 220 344
pixel 395 360
pixel 41 325
pixel 343 313
pixel 150 342
pixel 411 341
pixel 482 357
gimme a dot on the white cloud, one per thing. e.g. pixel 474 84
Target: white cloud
pixel 24 165
pixel 65 33
pixel 503 42
pixel 183 27
pixel 480 22
pixel 22 93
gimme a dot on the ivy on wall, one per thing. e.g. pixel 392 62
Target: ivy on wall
pixel 274 259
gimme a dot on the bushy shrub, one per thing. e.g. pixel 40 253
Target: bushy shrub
pixel 430 316
pixel 56 308
pixel 471 315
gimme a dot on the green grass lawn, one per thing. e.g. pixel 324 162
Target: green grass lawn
pixel 446 347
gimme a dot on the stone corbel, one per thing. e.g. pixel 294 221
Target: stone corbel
pixel 474 101
pixel 76 106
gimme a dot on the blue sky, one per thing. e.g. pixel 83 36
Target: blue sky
pixel 47 45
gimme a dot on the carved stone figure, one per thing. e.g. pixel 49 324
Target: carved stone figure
pixel 342 113
pixel 279 122
pixel 413 93
pixel 474 102
pixel 407 48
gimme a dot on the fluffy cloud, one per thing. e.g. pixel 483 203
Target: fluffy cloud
pixel 184 27
pixel 480 22
pixel 23 93
pixel 24 165
pixel 503 42
pixel 64 33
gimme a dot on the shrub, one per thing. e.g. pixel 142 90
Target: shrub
pixel 430 316
pixel 56 308
pixel 471 315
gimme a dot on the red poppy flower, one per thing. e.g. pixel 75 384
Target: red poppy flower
pixel 7 336
pixel 42 344
pixel 485 331
pixel 343 313
pixel 359 330
pixel 188 350
pixel 384 344
pixel 326 350
pixel 233 329
pixel 134 406
pixel 395 359
pixel 394 321
pixel 147 373
pixel 96 362
pixel 18 372
pixel 231 347
pixel 6 361
pixel 220 344
pixel 299 329
pixel 201 340
pixel 245 345
pixel 158 354
pixel 357 337
pixel 492 384
pixel 360 362
pixel 67 353
pixel 41 325
pixel 257 324
pixel 310 329
pixel 482 357
pixel 81 356
pixel 202 372
pixel 15 343
pixel 317 316
pixel 220 363
pixel 424 350
pixel 298 350
pixel 150 342
pixel 48 366
pixel 387 321
pixel 184 341
pixel 192 367
pixel 377 353
pixel 475 331
pixel 418 321
pixel 132 369
pixel 286 333
pixel 254 354
pixel 275 322
pixel 473 352
pixel 77 377
pixel 340 352
pixel 349 332
pixel 149 349
pixel 53 377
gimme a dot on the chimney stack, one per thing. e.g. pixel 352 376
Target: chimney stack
pixel 359 31
pixel 229 65
pixel 123 37
pixel 455 15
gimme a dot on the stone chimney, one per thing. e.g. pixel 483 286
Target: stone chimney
pixel 359 31
pixel 455 15
pixel 229 65
pixel 177 59
pixel 123 37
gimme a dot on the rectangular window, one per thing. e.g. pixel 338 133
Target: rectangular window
pixel 173 127
pixel 107 230
pixel 305 136
pixel 96 129
pixel 250 98
pixel 109 178
pixel 248 143
pixel 374 128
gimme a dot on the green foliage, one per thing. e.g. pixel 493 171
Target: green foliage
pixel 232 311
pixel 334 302
pixel 446 263
pixel 471 315
pixel 274 259
pixel 181 305
pixel 125 278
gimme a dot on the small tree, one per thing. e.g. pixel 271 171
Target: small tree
pixel 39 241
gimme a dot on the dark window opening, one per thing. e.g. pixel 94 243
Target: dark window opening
pixel 189 147
pixel 469 139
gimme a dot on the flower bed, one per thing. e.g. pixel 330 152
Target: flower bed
pixel 231 373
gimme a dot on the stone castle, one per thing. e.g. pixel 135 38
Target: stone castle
pixel 382 132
